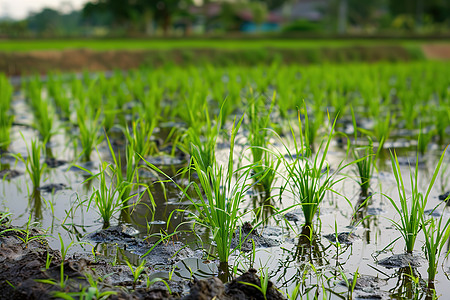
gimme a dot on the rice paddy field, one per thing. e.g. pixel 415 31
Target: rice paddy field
pixel 330 181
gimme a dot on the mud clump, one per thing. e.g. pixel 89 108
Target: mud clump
pixel 445 197
pixel 346 238
pixel 237 289
pixel 401 261
pixel 54 163
pixel 52 187
pixel 155 254
pixel 251 234
pixel 8 174
pixel 207 289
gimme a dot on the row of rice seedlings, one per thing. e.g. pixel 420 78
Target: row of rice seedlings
pixel 42 110
pixel 202 143
pixel 89 132
pixel 265 164
pixel 139 139
pixel 44 121
pixel 321 87
pixel 364 157
pixel 57 92
pixel 364 161
pixel 6 118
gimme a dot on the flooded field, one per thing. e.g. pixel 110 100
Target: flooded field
pixel 329 181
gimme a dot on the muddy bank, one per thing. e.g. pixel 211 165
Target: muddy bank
pixel 22 63
pixel 31 270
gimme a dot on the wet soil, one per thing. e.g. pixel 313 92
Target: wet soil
pixel 437 51
pixel 169 252
pixel 29 265
pixel 52 187
pixel 445 197
pixel 404 260
pixel 8 174
pixel 252 236
pixel 346 238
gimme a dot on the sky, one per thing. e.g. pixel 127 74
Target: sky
pixel 19 9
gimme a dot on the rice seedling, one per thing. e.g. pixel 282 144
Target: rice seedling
pixel 424 140
pixel 125 184
pixel 42 111
pixel 109 198
pixel 89 135
pixel 364 163
pixel 57 92
pixel 381 130
pixel 364 167
pixel 220 193
pixel 411 207
pixel 5 131
pixel 220 211
pixel 33 93
pixel 264 282
pixel 136 272
pixel 441 120
pixel 6 118
pixel 204 149
pixel 264 164
pixel 63 279
pixel 140 138
pixel 313 124
pixel 437 234
pixel 309 178
pixel 350 284
pixel 92 292
pixel 35 169
pixel 43 121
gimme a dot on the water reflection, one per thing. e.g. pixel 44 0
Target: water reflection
pixel 309 256
pixel 262 205
pixel 407 285
pixel 35 205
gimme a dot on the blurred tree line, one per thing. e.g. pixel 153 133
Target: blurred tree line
pixel 138 17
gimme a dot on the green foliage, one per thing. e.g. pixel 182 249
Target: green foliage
pixel 411 208
pixel 264 164
pixel 89 134
pixel 364 167
pixel 137 272
pixel 203 147
pixel 139 138
pixel 6 118
pixel 303 26
pixel 110 199
pixel 309 178
pixel 264 282
pixel 43 122
pixel 34 167
pixel 436 234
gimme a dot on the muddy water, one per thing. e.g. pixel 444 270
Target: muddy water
pixel 294 256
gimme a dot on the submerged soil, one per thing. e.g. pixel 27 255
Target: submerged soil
pixel 28 266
